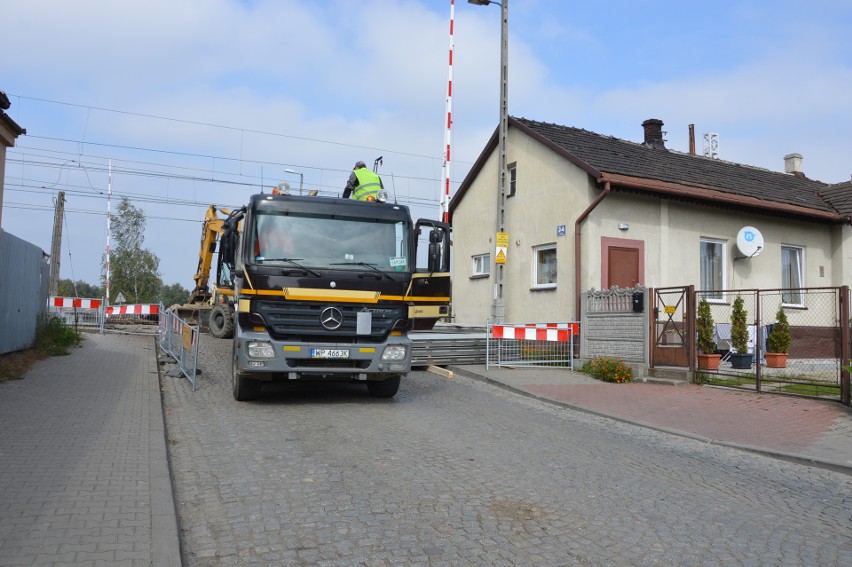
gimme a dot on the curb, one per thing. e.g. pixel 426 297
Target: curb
pixel 165 537
pixel 788 457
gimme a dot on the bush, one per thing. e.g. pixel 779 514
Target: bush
pixel 739 326
pixel 779 338
pixel 704 322
pixel 53 337
pixel 608 369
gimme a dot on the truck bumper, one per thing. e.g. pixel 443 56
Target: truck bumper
pixel 343 361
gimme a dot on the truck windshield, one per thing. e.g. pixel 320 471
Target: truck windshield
pixel 317 241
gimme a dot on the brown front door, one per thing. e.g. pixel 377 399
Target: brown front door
pixel 623 267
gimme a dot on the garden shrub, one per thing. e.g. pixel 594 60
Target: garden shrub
pixel 608 369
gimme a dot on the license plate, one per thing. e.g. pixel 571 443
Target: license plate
pixel 329 353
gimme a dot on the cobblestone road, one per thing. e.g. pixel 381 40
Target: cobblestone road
pixel 456 472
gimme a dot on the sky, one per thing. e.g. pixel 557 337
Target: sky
pixel 203 102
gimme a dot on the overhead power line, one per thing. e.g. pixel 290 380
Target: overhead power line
pixel 224 127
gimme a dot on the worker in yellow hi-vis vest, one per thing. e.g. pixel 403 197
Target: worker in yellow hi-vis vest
pixel 363 184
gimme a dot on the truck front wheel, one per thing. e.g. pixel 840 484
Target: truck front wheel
pixel 244 388
pixel 222 321
pixel 386 388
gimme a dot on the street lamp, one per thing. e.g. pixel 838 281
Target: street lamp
pixel 301 178
pixel 499 307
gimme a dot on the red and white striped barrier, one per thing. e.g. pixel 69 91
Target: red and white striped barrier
pixel 132 310
pixel 76 302
pixel 553 332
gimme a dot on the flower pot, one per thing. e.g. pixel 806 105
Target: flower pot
pixel 709 361
pixel 741 361
pixel 776 359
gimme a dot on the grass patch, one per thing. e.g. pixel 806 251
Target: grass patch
pixel 811 389
pixel 53 338
pixel 720 380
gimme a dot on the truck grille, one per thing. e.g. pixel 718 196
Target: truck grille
pixel 301 321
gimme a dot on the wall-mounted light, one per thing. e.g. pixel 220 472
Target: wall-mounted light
pixel 623 226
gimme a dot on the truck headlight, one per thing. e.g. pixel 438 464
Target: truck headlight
pixel 260 349
pixel 394 353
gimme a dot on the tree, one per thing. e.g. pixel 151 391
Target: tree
pixel 704 323
pixel 779 338
pixel 739 326
pixel 133 271
pixel 171 294
pixel 68 288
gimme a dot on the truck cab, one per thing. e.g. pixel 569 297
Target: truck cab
pixel 328 289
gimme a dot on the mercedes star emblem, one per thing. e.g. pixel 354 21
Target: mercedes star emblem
pixel 331 318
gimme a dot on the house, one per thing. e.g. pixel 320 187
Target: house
pixel 585 210
pixel 9 132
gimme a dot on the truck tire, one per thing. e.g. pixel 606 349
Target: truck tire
pixel 245 388
pixel 222 321
pixel 386 388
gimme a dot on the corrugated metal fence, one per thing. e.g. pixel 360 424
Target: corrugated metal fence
pixel 24 275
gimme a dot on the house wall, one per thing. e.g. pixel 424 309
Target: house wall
pixel 551 192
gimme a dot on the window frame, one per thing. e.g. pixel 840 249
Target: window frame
pixel 785 297
pixel 512 179
pixel 479 273
pixel 721 297
pixel 535 267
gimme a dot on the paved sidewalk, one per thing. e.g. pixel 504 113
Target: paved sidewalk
pixel 799 429
pixel 84 476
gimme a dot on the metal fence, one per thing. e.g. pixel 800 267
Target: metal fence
pixel 91 314
pixel 180 341
pixel 77 312
pixel 819 347
pixel 530 344
pixel 24 276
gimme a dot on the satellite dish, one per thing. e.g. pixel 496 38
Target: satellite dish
pixel 749 241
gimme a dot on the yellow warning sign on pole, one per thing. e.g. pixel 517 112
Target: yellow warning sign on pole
pixel 502 247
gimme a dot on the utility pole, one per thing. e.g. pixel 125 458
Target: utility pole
pixel 56 245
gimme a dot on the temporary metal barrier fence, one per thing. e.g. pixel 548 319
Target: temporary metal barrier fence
pixel 531 344
pixel 77 311
pixel 179 340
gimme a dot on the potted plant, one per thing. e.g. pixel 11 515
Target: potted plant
pixel 739 336
pixel 778 342
pixel 708 359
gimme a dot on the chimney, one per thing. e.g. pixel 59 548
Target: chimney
pixel 654 133
pixel 793 164
pixel 692 139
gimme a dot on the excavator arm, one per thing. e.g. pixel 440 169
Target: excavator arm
pixel 211 230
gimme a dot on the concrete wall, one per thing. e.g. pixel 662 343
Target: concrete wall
pixel 611 327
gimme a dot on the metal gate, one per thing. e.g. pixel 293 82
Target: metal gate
pixel 672 325
pixel 819 350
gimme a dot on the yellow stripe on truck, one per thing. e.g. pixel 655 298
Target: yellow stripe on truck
pixel 315 294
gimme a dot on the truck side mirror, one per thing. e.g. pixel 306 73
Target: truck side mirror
pixel 436 237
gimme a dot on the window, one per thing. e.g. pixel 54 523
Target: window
pixel 481 265
pixel 544 268
pixel 713 268
pixel 325 241
pixel 791 275
pixel 513 179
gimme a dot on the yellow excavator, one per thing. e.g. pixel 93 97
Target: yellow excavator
pixel 211 309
